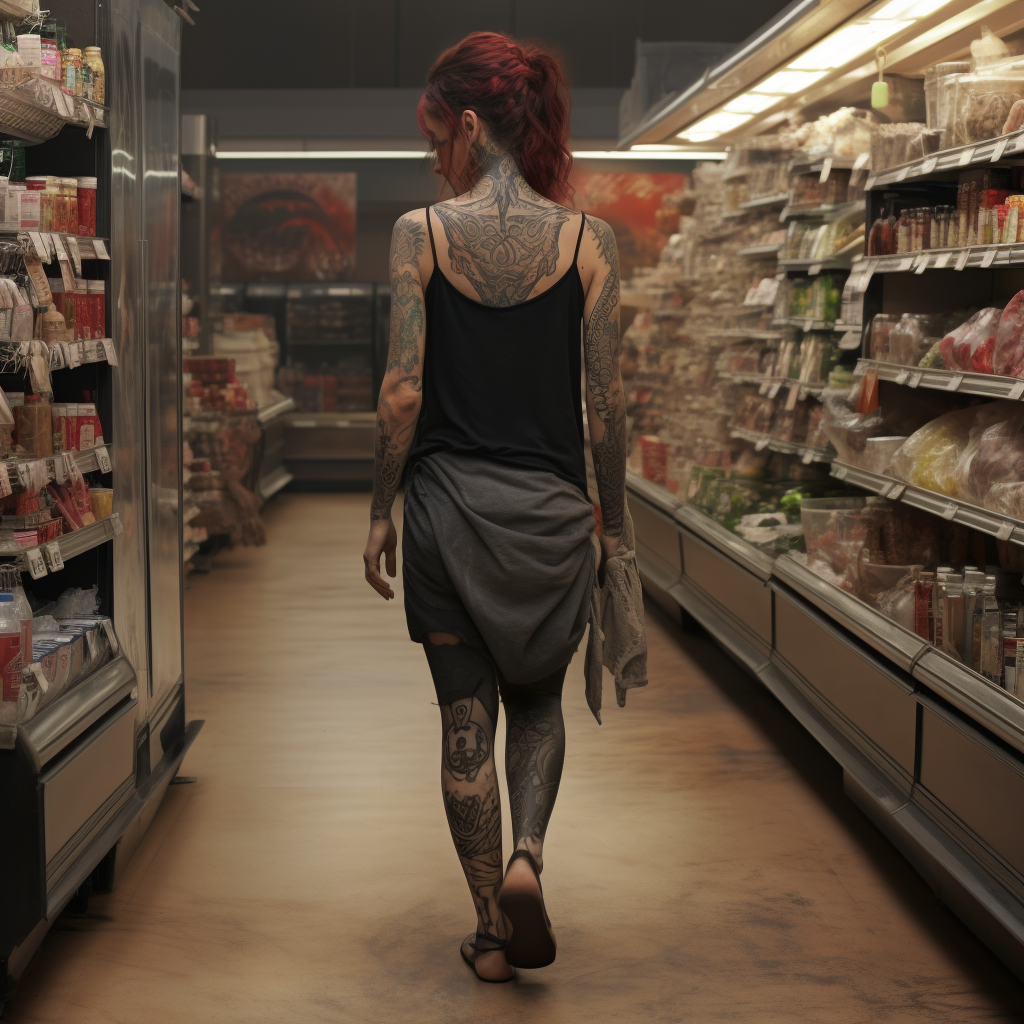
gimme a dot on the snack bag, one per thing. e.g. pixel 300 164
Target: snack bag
pixel 979 329
pixel 930 456
pixel 1008 355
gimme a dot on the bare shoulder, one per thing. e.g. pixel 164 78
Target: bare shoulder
pixel 599 255
pixel 410 247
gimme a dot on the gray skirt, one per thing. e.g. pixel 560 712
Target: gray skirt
pixel 501 557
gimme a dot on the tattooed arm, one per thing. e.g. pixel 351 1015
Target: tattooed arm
pixel 398 407
pixel 606 404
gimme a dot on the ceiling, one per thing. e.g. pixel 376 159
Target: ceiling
pixel 330 44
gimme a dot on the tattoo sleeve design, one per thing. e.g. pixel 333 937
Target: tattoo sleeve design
pixel 601 347
pixel 466 745
pixel 408 323
pixel 505 239
pixel 534 755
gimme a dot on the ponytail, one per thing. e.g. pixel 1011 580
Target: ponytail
pixel 519 92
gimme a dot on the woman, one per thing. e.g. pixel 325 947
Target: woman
pixel 480 407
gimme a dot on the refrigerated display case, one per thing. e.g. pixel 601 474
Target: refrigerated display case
pixel 84 772
pixel 864 558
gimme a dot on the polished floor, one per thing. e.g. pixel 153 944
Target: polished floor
pixel 702 864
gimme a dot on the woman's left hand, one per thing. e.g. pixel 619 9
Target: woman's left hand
pixel 383 540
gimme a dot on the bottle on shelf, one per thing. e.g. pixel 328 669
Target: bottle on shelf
pixel 953 616
pixel 991 634
pixel 49 51
pixel 10 649
pixel 93 56
pixel 10 583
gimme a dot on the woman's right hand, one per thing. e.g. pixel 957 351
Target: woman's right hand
pixel 383 540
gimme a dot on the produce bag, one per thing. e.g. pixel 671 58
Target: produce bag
pixel 994 455
pixel 929 457
pixel 1008 355
pixel 971 340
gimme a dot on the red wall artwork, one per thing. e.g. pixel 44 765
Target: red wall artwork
pixel 633 203
pixel 285 227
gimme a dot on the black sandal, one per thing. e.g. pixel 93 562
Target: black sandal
pixel 495 945
pixel 533 942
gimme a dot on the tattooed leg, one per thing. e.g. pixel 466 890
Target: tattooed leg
pixel 534 756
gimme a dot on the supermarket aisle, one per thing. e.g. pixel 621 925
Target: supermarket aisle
pixel 702 864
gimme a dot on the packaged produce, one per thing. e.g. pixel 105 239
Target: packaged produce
pixel 994 455
pixel 1008 354
pixel 929 457
pixel 984 101
pixel 974 339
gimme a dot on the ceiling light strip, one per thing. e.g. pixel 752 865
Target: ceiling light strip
pixel 671 153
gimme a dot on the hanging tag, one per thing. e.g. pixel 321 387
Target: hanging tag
pixel 905 264
pixel 36 563
pixel 850 341
pixel 989 257
pixel 74 354
pixel 1016 391
pixel 92 121
pixel 774 389
pixel 961 262
pixel 999 149
pixel 839 472
pixel 896 492
pixel 808 457
pixel 24 474
pixel 763 389
pixel 76 254
pixel 103 459
pixel 950 511
pixel 109 351
pixel 761 444
pixel 866 275
pixel 39 246
pixel 862 161
pixel 100 249
pixel 59 475
pixel 966 156
pixel 1005 531
pixel 922 263
pixel 826 170
pixel 108 628
pixel 54 559
pixel 901 377
pixel 915 379
pixel 941 260
pixel 36 670
pixel 901 174
pixel 955 381
pixel 929 165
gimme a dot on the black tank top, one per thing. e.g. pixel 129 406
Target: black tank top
pixel 503 382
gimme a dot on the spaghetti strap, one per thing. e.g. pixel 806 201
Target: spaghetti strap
pixel 583 224
pixel 430 232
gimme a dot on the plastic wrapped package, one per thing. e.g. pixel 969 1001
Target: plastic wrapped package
pixel 972 343
pixel 994 455
pixel 929 457
pixel 899 602
pixel 1008 354
pixel 835 531
pixel 932 359
pixel 984 101
pixel 909 339
pixel 846 428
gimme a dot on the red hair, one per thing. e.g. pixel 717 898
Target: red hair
pixel 519 92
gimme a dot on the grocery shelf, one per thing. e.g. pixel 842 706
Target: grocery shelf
pixel 779 199
pixel 88 461
pixel 982 256
pixel 839 325
pixel 760 250
pixel 828 211
pixel 279 408
pixel 724 540
pixel 955 159
pixel 807 453
pixel 70 545
pixel 778 383
pixel 988 385
pixel 951 509
pixel 740 333
pixel 807 323
pixel 814 267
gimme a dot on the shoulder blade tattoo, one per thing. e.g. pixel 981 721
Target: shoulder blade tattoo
pixel 602 357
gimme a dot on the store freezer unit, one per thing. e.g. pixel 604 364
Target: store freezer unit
pixel 932 754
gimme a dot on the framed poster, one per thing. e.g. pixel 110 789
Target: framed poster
pixel 285 227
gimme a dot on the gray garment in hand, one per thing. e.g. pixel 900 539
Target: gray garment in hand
pixel 500 556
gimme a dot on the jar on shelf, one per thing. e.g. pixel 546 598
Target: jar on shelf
pixel 881 326
pixel 939 228
pixel 880 238
pixel 93 56
pixel 87 207
pixel 71 63
pixel 50 54
pixel 48 204
pixel 903 232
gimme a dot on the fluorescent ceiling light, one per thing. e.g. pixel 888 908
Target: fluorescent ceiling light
pixel 667 152
pixel 691 135
pixel 785 83
pixel 749 103
pixel 848 43
pixel 717 123
pixel 653 147
pixel 908 9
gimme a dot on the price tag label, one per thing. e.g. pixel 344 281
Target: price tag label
pixel 905 264
pixel 1005 531
pixel 54 559
pixel 915 379
pixel 24 474
pixel 862 161
pixel 74 354
pixel 36 671
pixel 36 563
pixel 941 260
pixel 901 377
pixel 866 275
pixel 966 156
pixel 1016 391
pixel 39 245
pixel 922 263
pixel 901 174
pixel 763 389
pixel 955 381
pixel 59 474
pixel 116 524
pixel 100 249
pixel 109 351
pixel 813 271
pixel 999 149
pixel 761 444
pixel 108 628
pixel 869 184
pixel 929 165
pixel 989 257
pixel 826 170
pixel 896 492
pixel 961 260
pixel 103 459
pixel 839 472
pixel 76 254
pixel 950 510
pixel 774 389
pixel 808 457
